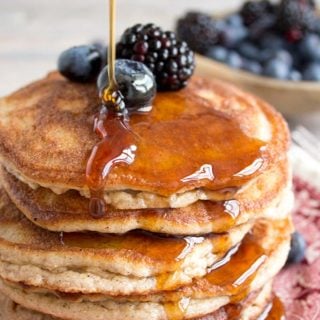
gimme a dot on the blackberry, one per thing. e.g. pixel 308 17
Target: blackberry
pixel 295 18
pixel 261 26
pixel 252 11
pixel 199 30
pixel 170 60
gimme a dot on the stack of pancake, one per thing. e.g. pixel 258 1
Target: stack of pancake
pixel 195 228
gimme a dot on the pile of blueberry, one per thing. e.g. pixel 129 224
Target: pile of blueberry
pixel 276 40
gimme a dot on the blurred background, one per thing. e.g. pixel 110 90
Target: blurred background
pixel 34 32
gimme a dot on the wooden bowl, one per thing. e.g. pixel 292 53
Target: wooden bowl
pixel 288 97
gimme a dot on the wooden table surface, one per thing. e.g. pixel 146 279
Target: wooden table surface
pixel 34 32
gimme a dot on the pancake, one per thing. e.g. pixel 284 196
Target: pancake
pixel 46 138
pixel 261 255
pixel 136 262
pixel 9 310
pixel 249 309
pixel 252 307
pixel 69 212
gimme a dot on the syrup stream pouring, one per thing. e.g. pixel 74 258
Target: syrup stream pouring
pixel 112 126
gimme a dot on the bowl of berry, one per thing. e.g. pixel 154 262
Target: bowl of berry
pixel 270 49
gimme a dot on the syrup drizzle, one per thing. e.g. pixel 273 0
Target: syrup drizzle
pixel 225 259
pixel 239 267
pixel 274 310
pixel 112 47
pixel 232 276
pixel 142 243
pixel 205 172
pixel 177 310
pixel 168 160
pixel 149 247
pixel 117 145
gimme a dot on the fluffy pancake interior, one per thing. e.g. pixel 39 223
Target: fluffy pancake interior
pixel 69 212
pixel 202 297
pixel 94 262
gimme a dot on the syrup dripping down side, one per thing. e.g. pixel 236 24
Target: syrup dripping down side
pixel 232 276
pixel 112 126
pixel 117 146
pixel 274 310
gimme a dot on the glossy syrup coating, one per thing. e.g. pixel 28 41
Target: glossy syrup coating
pixel 68 212
pixel 245 269
pixel 202 136
pixel 132 256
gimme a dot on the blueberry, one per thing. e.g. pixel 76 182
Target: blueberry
pixel 317 26
pixel 234 60
pixel 234 20
pixel 249 50
pixel 220 25
pixel 252 66
pixel 298 246
pixel 136 83
pixel 284 56
pixel 272 41
pixel 312 72
pixel 309 47
pixel 276 68
pixel 81 63
pixel 103 50
pixel 218 53
pixel 297 59
pixel 265 55
pixel 230 36
pixel 295 75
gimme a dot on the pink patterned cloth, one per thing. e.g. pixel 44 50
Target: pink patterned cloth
pixel 298 286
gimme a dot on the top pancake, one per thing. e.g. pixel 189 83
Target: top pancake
pixel 208 135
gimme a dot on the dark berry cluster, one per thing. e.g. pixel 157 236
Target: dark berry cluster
pixel 275 40
pixel 295 18
pixel 199 30
pixel 170 60
pixel 253 11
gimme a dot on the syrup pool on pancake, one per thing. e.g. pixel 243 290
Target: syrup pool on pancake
pixel 117 143
pixel 125 86
pixel 128 89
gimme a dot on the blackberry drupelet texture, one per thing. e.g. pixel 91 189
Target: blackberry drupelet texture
pixel 199 30
pixel 295 17
pixel 252 11
pixel 170 60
